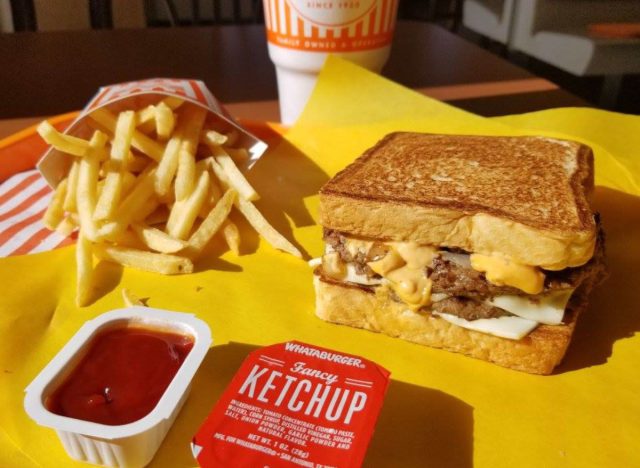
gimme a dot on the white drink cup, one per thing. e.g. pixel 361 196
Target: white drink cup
pixel 301 33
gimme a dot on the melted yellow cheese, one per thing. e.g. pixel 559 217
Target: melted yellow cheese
pixel 355 246
pixel 391 261
pixel 333 265
pixel 412 286
pixel 417 256
pixel 504 272
pixel 404 266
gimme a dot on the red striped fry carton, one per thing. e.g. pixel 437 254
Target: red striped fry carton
pixel 25 194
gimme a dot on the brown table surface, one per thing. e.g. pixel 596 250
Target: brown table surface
pixel 55 72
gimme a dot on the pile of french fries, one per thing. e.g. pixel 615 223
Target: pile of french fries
pixel 150 189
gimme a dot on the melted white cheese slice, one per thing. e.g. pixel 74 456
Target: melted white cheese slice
pixel 548 309
pixel 513 328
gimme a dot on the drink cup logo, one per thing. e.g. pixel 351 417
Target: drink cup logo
pixel 332 13
pixel 330 25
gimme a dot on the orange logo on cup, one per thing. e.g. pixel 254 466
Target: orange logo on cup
pixel 330 25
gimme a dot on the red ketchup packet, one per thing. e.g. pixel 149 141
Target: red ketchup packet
pixel 293 404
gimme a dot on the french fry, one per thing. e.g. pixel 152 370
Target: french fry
pixel 142 260
pixel 173 102
pixel 231 235
pixel 184 213
pixel 84 271
pixel 72 185
pixel 185 174
pixel 135 163
pixel 230 231
pixel 165 120
pixel 109 196
pixel 86 192
pixel 137 199
pixel 55 211
pixel 131 299
pixel 73 217
pixel 158 240
pixel 149 127
pixel 125 127
pixel 112 190
pixel 65 143
pixel 130 207
pixel 239 155
pixel 148 114
pixel 100 185
pixel 211 137
pixel 66 226
pixel 146 209
pixel 193 119
pixel 262 226
pixel 146 117
pixel 128 182
pixel 212 198
pixel 139 140
pixel 211 224
pixel 168 165
pixel 214 148
pixel 226 170
pixel 129 239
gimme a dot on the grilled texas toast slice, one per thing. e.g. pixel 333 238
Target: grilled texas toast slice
pixel 522 197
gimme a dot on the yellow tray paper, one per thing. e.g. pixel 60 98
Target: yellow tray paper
pixel 442 409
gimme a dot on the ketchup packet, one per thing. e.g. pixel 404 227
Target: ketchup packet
pixel 293 404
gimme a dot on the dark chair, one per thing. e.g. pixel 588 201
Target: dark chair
pixel 446 12
pixel 24 16
pixel 157 13
pixel 167 12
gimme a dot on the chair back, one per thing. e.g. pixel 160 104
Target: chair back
pixel 56 15
pixel 203 12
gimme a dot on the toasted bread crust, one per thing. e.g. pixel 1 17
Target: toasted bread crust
pixel 523 197
pixel 537 353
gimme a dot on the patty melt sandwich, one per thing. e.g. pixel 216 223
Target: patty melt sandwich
pixel 485 246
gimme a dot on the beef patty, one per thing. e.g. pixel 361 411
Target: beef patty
pixel 454 279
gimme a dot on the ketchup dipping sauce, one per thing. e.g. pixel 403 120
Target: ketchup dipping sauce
pixel 122 377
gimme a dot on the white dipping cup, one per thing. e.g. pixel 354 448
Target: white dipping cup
pixel 127 445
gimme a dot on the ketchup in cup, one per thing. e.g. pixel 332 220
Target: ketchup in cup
pixel 122 377
pixel 294 404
